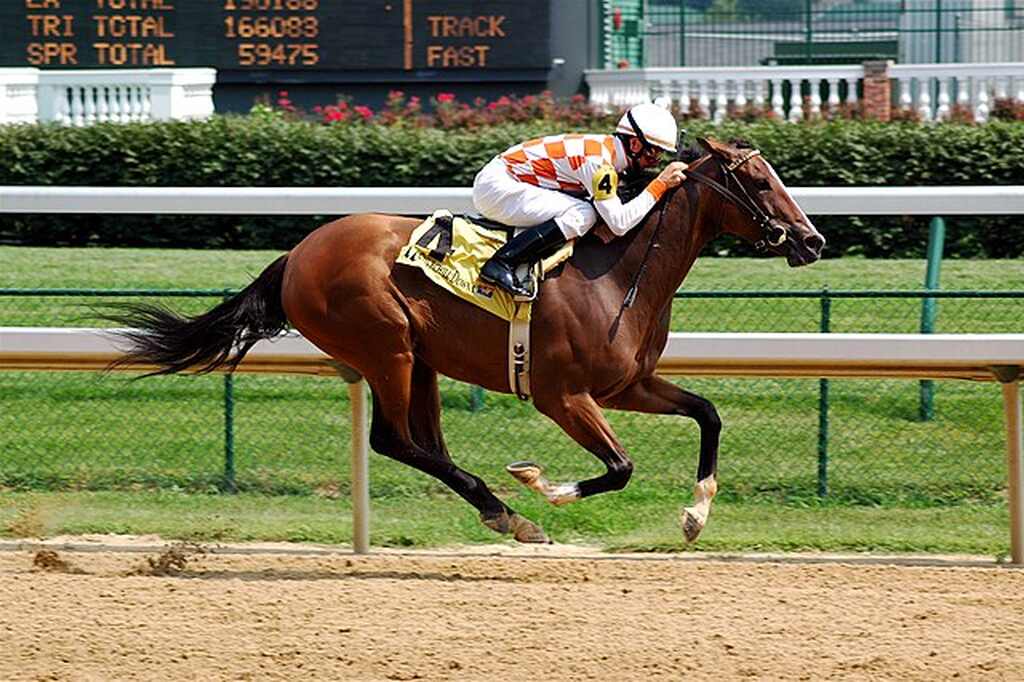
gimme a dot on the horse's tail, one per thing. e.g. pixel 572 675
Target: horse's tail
pixel 158 336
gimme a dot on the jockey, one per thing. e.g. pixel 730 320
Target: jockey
pixel 559 185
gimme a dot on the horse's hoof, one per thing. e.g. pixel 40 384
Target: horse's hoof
pixel 526 530
pixel 692 525
pixel 501 523
pixel 526 473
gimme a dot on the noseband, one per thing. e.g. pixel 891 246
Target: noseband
pixel 773 234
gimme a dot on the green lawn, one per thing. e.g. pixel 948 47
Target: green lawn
pixel 80 452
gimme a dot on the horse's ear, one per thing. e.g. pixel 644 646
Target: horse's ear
pixel 712 146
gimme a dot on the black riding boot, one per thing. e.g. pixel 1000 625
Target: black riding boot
pixel 527 246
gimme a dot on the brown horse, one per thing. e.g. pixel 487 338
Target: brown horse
pixel 341 288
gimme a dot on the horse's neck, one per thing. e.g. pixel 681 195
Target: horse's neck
pixel 686 227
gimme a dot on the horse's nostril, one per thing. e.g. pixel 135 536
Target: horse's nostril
pixel 815 242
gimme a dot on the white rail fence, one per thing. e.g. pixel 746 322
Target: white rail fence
pixel 985 357
pixel 929 89
pixel 970 356
pixel 87 96
pixel 930 201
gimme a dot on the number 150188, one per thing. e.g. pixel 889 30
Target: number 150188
pixel 270 5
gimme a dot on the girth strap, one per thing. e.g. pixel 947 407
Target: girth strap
pixel 519 357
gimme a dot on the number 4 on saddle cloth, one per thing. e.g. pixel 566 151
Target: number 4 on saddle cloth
pixel 450 250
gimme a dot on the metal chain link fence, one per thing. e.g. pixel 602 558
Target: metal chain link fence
pixel 851 441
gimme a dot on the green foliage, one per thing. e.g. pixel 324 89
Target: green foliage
pixel 270 150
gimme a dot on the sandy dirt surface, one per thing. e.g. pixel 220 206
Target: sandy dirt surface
pixel 544 615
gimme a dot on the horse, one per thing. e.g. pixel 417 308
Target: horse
pixel 599 325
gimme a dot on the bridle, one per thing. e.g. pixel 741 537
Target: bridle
pixel 773 234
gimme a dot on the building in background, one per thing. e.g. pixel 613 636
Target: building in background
pixel 700 33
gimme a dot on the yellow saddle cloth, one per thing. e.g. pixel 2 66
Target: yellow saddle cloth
pixel 453 263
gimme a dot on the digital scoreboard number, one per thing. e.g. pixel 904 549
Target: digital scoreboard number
pixel 342 35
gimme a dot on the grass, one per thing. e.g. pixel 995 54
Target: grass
pixel 80 453
pixel 441 520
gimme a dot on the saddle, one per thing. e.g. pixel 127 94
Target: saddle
pixel 450 250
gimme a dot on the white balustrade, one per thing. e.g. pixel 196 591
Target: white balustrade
pixel 19 95
pixel 971 86
pixel 83 97
pixel 930 90
pixel 716 89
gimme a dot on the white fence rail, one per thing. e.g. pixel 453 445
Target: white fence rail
pixel 941 201
pixel 977 356
pixel 931 90
pixel 999 356
pixel 87 96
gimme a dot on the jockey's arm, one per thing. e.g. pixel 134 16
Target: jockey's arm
pixel 620 217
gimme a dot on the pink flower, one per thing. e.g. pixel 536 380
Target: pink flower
pixel 365 112
pixel 283 94
pixel 445 97
pixel 333 114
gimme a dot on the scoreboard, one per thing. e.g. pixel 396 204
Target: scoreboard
pixel 261 35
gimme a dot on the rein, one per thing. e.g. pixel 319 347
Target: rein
pixel 773 234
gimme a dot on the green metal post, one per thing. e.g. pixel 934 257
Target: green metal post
pixel 476 398
pixel 682 33
pixel 938 52
pixel 808 33
pixel 229 434
pixel 929 306
pixel 826 327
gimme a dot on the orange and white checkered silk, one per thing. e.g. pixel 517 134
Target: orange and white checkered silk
pixel 563 162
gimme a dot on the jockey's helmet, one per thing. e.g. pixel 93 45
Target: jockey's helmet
pixel 654 125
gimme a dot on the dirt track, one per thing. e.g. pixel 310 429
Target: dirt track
pixel 402 617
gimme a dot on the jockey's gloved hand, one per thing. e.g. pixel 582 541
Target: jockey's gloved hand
pixel 673 174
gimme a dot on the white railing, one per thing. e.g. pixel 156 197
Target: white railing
pixel 931 90
pixel 713 90
pixel 930 201
pixel 83 97
pixel 974 356
pixel 18 95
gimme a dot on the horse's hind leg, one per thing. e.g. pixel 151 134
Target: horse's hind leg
pixel 391 434
pixel 657 396
pixel 425 411
pixel 581 418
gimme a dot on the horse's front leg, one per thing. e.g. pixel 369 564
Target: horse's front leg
pixel 581 418
pixel 655 395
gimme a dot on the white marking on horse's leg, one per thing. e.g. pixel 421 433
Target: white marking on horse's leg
pixel 696 517
pixel 529 474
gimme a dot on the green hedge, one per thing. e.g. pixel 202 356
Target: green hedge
pixel 237 151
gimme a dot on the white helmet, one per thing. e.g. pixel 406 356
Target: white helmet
pixel 654 125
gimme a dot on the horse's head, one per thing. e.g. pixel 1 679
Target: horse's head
pixel 758 207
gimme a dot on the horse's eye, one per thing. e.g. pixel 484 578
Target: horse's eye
pixel 763 185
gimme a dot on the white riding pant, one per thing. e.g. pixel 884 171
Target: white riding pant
pixel 499 196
